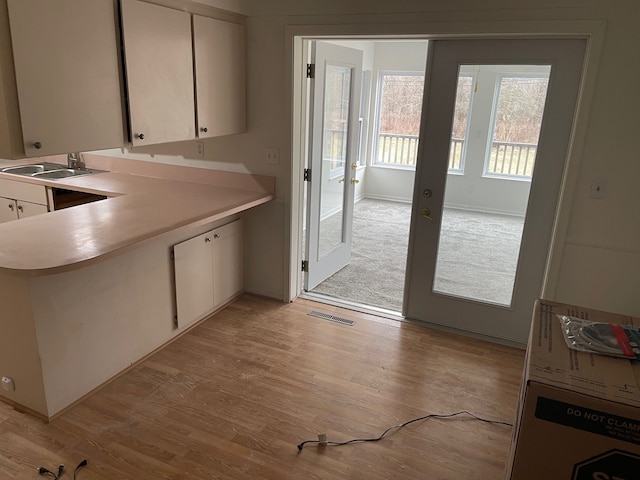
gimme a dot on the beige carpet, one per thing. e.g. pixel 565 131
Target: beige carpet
pixel 477 256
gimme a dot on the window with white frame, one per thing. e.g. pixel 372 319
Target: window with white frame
pixel 517 117
pixel 461 113
pixel 337 92
pixel 399 107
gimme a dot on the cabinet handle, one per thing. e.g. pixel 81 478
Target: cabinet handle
pixel 10 206
pixel 204 129
pixel 207 239
pixel 20 207
pixel 216 236
pixel 140 136
pixel 38 145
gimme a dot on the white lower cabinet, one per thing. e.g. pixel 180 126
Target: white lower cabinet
pixel 15 209
pixel 208 272
pixel 8 210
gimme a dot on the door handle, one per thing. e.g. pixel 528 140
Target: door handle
pixel 354 181
pixel 341 180
pixel 426 213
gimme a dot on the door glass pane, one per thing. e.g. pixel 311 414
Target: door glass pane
pixel 516 125
pixel 484 213
pixel 337 92
pixel 460 123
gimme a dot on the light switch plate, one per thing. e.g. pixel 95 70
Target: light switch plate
pixel 272 156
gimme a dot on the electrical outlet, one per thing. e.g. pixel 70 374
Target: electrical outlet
pixel 7 384
pixel 272 156
pixel 200 149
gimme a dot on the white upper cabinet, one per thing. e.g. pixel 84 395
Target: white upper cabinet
pixel 159 72
pixel 219 54
pixel 67 75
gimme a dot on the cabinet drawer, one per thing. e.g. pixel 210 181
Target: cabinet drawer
pixel 23 191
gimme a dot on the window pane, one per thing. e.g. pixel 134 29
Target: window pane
pixel 480 240
pixel 399 111
pixel 336 117
pixel 460 121
pixel 517 123
pixel 337 97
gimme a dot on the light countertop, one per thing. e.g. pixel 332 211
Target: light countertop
pixel 145 200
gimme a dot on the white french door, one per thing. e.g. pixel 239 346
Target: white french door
pixel 429 295
pixel 334 107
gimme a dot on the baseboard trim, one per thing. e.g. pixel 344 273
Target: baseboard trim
pixel 466 208
pixel 22 409
pixel 389 198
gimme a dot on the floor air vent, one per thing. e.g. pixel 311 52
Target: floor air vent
pixel 333 318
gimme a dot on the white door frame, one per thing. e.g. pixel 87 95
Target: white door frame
pixel 593 31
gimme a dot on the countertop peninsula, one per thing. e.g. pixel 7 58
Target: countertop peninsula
pixel 145 200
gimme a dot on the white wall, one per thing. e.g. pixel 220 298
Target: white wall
pixel 590 232
pixel 383 182
pixel 605 124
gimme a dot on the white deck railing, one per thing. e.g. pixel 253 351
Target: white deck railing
pixel 507 159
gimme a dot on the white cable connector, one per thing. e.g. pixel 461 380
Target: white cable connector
pixel 322 439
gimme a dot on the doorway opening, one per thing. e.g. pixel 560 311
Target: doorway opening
pixel 507 110
pixel 382 171
pixel 484 175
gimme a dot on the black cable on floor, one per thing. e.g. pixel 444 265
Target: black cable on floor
pixel 43 471
pixel 80 465
pixel 322 441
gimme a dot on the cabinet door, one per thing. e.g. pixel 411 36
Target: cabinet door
pixel 28 209
pixel 159 72
pixel 67 70
pixel 219 49
pixel 8 210
pixel 193 262
pixel 228 271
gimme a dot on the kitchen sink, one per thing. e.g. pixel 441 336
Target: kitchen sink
pixel 48 170
pixel 62 173
pixel 24 169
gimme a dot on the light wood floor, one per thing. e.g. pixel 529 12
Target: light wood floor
pixel 233 398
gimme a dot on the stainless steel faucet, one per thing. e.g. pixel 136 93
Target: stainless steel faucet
pixel 75 161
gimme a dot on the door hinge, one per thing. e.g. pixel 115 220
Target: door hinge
pixel 307 174
pixel 311 70
pixel 305 266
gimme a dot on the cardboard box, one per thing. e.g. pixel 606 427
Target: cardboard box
pixel 578 413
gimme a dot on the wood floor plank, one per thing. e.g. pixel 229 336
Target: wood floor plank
pixel 234 397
